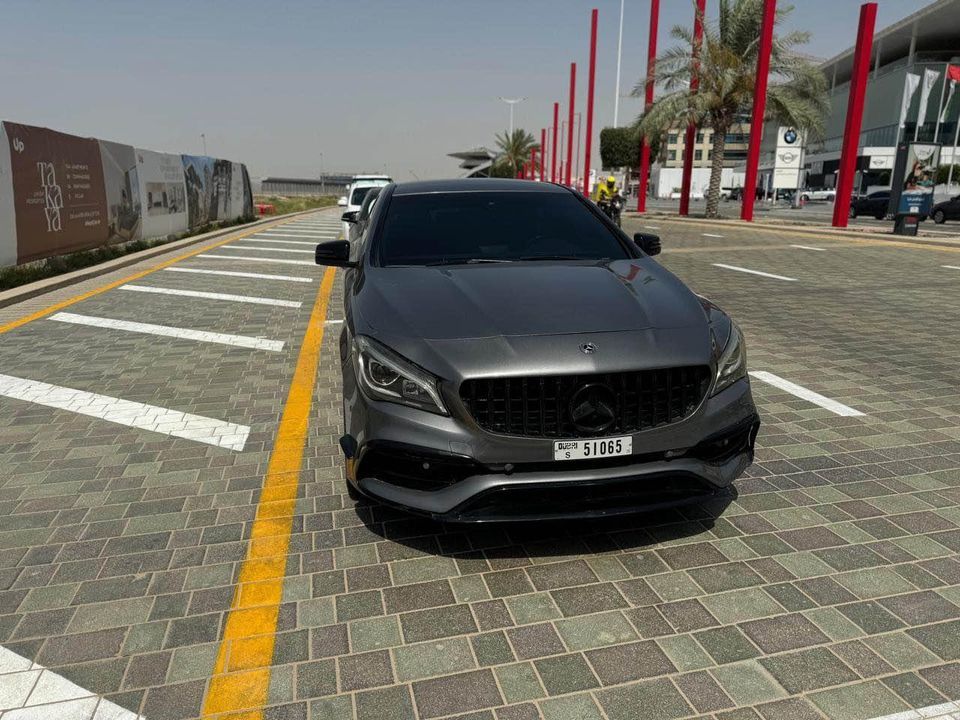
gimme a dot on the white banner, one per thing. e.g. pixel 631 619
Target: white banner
pixel 8 222
pixel 929 79
pixel 910 84
pixel 946 105
pixel 162 193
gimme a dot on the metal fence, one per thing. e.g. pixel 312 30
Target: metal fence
pixel 305 187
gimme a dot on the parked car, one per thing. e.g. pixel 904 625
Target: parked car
pixel 358 220
pixel 876 204
pixel 808 194
pixel 947 210
pixel 385 179
pixel 356 192
pixel 508 353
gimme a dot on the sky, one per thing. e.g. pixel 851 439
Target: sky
pixel 300 87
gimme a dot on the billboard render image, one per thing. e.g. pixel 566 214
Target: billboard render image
pixel 61 193
pixel 58 192
pixel 163 193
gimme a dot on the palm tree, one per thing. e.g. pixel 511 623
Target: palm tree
pixel 515 147
pixel 796 96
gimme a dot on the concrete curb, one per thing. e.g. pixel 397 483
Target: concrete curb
pixel 40 287
pixel 796 230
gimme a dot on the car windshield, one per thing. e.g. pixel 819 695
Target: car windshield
pixel 358 194
pixel 456 228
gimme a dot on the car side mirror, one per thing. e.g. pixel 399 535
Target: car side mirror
pixel 350 217
pixel 342 202
pixel 335 253
pixel 650 244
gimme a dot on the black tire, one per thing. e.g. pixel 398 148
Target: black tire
pixel 939 217
pixel 880 215
pixel 353 493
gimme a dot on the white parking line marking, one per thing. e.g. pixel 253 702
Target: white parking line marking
pixel 244 341
pixel 712 235
pixel 951 267
pixel 805 394
pixel 125 412
pixel 252 299
pixel 231 273
pixel 300 235
pixel 296 232
pixel 269 249
pixel 651 227
pixel 943 711
pixel 334 322
pixel 211 256
pixel 809 247
pixel 753 272
pixel 257 238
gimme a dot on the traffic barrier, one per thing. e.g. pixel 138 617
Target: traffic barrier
pixel 60 193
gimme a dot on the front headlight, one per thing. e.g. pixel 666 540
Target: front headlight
pixel 732 365
pixel 384 375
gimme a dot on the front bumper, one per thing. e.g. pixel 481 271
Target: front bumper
pixel 448 469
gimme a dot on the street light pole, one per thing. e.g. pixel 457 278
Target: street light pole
pixel 203 138
pixel 511 102
pixel 323 188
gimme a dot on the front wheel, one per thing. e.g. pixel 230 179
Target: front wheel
pixel 880 215
pixel 939 217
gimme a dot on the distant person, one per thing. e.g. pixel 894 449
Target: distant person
pixel 606 190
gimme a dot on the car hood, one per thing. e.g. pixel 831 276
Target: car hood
pixel 523 299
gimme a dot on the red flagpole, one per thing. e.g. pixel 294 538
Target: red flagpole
pixel 553 159
pixel 573 90
pixel 533 162
pixel 759 107
pixel 851 131
pixel 543 152
pixel 590 84
pixel 692 128
pixel 647 102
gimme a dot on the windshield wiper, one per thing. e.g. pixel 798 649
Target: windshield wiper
pixel 468 261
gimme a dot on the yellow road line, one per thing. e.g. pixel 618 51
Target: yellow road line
pixel 241 677
pixel 13 324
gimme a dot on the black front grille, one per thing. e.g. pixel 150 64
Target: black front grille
pixel 540 406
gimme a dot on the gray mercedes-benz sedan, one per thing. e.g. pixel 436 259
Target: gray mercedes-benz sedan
pixel 508 353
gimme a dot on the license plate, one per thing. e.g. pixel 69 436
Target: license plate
pixel 596 448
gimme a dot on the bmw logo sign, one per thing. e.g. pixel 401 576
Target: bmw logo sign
pixel 790 136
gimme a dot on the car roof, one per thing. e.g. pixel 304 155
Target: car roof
pixel 476 185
